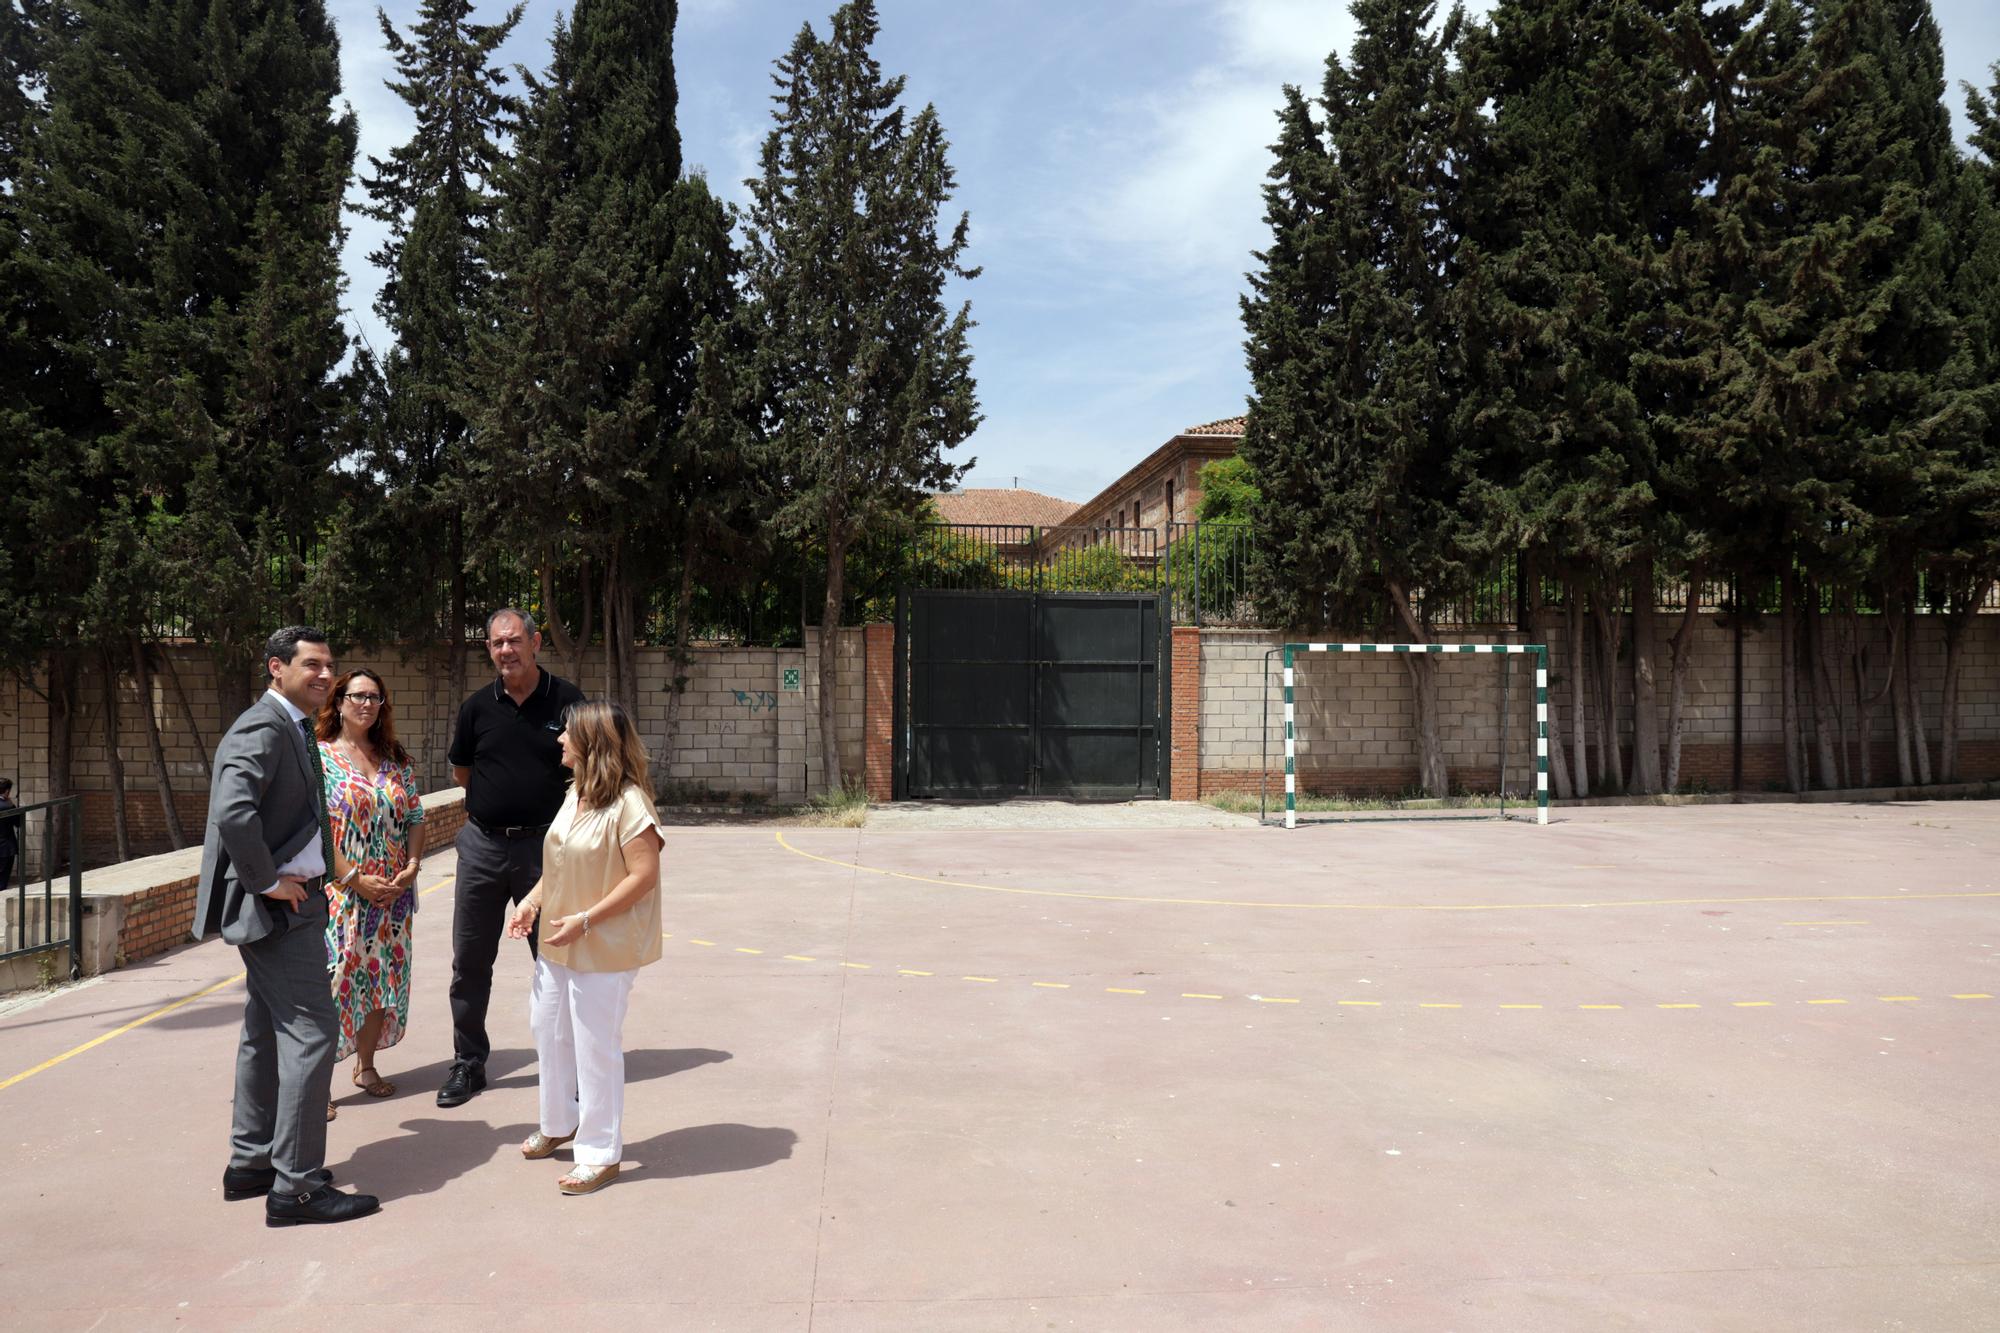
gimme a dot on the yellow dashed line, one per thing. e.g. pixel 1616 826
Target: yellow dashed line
pixel 801 958
pixel 1197 995
pixel 1520 1006
pixel 1364 1004
pixel 1053 985
pixel 912 972
pixel 987 979
pixel 1600 1006
pixel 706 944
pixel 1122 990
pixel 1679 1006
pixel 1594 905
pixel 1826 1002
pixel 1976 995
pixel 1897 999
pixel 1754 1004
pixel 1433 1004
pixel 859 967
pixel 1271 999
pixel 741 949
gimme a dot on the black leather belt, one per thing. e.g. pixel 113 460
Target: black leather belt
pixel 510 830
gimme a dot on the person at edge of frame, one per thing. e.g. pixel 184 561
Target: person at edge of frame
pixel 504 753
pixel 264 858
pixel 10 837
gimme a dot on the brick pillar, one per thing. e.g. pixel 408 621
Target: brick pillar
pixel 879 712
pixel 1186 754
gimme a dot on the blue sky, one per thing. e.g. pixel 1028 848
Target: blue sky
pixel 1109 152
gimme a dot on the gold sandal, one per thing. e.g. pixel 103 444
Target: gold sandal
pixel 584 1179
pixel 540 1145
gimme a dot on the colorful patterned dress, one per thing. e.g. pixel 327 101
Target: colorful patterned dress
pixel 368 947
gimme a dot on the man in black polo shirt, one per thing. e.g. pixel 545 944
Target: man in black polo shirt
pixel 504 754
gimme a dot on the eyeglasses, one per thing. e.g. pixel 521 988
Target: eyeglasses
pixel 364 698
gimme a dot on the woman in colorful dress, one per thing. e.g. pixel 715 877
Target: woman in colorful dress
pixel 377 815
pixel 599 904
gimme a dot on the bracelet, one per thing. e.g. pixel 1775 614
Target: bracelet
pixel 586 921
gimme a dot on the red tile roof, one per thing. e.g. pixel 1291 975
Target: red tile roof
pixel 1226 426
pixel 1002 505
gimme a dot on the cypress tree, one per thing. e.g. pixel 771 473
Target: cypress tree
pixel 434 193
pixel 1355 359
pixel 607 263
pixel 868 373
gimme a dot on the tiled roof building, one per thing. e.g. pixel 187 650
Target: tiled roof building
pixel 995 504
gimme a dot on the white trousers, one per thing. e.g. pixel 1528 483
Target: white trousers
pixel 579 1021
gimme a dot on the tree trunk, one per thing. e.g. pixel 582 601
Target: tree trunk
pixel 829 662
pixel 1957 622
pixel 1432 773
pixel 1537 617
pixel 1920 747
pixel 108 680
pixel 63 687
pixel 1825 729
pixel 679 655
pixel 1645 690
pixel 612 628
pixel 454 638
pixel 176 834
pixel 1610 753
pixel 1579 736
pixel 201 746
pixel 1680 648
pixel 1866 703
pixel 570 649
pixel 1788 680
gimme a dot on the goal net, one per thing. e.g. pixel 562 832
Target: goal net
pixel 1351 723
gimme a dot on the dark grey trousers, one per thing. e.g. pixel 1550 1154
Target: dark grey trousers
pixel 493 873
pixel 284 1063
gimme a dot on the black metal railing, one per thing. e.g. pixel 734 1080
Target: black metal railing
pixel 41 923
pixel 1030 558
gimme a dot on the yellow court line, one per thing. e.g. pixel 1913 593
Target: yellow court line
pixel 161 1012
pixel 1382 907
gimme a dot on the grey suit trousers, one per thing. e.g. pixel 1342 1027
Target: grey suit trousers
pixel 284 1065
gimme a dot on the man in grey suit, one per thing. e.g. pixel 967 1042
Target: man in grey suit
pixel 264 863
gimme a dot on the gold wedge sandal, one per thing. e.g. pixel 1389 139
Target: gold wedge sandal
pixel 540 1145
pixel 585 1179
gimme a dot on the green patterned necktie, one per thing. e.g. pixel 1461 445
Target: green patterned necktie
pixel 319 796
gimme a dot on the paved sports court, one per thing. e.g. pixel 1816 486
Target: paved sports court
pixel 1725 1067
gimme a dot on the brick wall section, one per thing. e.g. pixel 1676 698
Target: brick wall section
pixel 157 916
pixel 1184 773
pixel 879 712
pixel 1356 716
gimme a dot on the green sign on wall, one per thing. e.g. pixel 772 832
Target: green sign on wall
pixel 791 678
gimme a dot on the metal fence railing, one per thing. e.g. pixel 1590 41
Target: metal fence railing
pixel 30 922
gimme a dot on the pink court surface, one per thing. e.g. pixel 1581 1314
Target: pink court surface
pixel 1705 1068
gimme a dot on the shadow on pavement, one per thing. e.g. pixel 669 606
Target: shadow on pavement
pixel 706 1150
pixel 432 1153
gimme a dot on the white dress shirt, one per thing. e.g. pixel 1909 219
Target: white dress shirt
pixel 309 862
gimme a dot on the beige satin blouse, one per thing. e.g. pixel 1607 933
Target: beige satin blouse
pixel 583 857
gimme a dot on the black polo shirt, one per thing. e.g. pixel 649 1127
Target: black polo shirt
pixel 517 772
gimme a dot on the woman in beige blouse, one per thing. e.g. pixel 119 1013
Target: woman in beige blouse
pixel 599 903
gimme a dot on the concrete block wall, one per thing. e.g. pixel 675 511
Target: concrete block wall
pixel 740 732
pixel 1357 722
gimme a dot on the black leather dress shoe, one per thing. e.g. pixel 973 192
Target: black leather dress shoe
pixel 324 1204
pixel 465 1081
pixel 249 1182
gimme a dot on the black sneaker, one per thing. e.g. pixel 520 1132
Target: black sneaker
pixel 466 1080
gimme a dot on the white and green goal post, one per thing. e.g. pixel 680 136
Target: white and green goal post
pixel 1541 655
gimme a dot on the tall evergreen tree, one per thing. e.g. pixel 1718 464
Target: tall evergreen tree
pixel 607 264
pixel 434 192
pixel 1355 360
pixel 868 372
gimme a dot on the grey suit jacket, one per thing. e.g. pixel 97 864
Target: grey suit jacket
pixel 263 807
